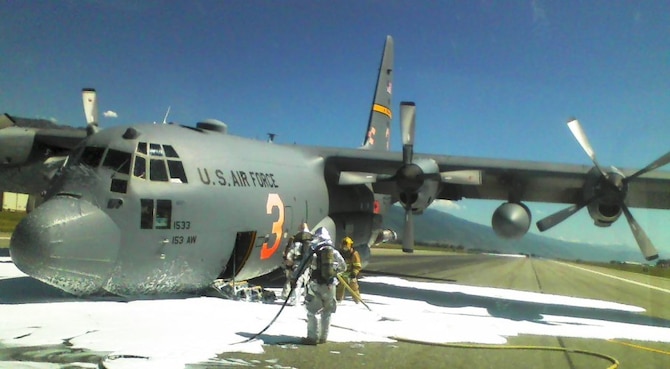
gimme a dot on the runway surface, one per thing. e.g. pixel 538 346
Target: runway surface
pixel 524 351
pixel 540 312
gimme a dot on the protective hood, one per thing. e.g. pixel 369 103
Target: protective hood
pixel 321 236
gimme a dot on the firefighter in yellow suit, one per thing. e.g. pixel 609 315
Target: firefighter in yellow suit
pixel 354 267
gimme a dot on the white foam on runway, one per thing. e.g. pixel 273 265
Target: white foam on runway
pixel 173 332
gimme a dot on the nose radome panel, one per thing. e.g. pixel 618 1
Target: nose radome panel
pixel 67 242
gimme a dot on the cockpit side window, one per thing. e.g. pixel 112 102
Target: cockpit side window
pixel 147 215
pixel 118 161
pixel 92 156
pixel 140 168
pixel 163 214
pixel 177 174
pixel 155 214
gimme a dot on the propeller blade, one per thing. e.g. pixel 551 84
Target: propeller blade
pixel 407 122
pixel 465 177
pixel 407 154
pixel 559 216
pixel 408 234
pixel 579 134
pixel 90 101
pixel 665 159
pixel 647 248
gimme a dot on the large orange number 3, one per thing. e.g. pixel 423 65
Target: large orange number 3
pixel 274 201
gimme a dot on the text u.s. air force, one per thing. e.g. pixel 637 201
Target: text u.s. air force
pixel 237 178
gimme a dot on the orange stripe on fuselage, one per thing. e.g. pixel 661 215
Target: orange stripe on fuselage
pixel 382 109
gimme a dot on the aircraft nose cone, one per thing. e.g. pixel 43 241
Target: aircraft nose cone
pixel 68 243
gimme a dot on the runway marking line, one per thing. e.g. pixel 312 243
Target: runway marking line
pixel 641 347
pixel 617 278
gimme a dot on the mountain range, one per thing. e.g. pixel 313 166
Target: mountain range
pixel 438 227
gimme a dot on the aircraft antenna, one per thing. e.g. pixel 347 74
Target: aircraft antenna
pixel 166 115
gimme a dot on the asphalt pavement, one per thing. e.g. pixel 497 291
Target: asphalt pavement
pixel 526 351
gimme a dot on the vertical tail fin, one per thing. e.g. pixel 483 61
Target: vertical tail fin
pixel 377 136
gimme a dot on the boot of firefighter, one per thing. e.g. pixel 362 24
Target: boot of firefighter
pixel 312 327
pixel 325 327
pixel 354 287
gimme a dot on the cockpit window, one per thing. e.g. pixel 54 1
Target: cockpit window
pixel 142 147
pixel 170 152
pixel 155 150
pixel 163 163
pixel 157 170
pixel 92 156
pixel 118 161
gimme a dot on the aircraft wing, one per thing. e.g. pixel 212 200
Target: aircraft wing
pixel 504 179
pixel 550 182
pixel 31 150
pixel 417 180
pixel 25 140
pixel 65 139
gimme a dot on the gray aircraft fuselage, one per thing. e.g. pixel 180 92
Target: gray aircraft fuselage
pixel 165 209
pixel 113 223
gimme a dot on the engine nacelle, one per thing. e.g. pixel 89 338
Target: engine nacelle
pixel 604 214
pixel 424 190
pixel 424 197
pixel 610 192
pixel 511 220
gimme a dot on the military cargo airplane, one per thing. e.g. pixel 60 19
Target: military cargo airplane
pixel 161 209
pixel 31 150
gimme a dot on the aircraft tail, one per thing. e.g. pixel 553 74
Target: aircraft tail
pixel 377 136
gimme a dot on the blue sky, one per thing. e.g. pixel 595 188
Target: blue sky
pixel 490 78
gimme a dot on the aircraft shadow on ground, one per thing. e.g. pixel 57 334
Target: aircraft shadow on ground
pixel 27 290
pixel 508 308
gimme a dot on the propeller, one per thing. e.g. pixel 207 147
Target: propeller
pixel 408 176
pixel 90 101
pixel 616 190
pixel 411 176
